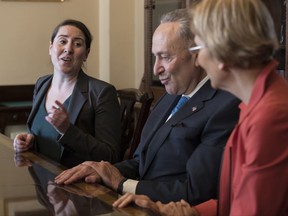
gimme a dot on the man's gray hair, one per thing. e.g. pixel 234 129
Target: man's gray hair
pixel 184 18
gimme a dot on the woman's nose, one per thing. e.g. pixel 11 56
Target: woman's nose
pixel 68 48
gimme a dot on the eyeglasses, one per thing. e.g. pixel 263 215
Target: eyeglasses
pixel 192 49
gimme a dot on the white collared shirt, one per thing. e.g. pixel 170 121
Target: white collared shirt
pixel 199 85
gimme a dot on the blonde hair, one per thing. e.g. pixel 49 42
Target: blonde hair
pixel 237 32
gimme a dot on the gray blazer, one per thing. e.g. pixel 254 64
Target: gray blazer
pixel 94 112
pixel 180 159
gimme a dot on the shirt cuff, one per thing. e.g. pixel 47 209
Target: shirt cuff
pixel 129 186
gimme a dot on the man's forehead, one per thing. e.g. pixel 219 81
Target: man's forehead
pixel 167 37
pixel 169 27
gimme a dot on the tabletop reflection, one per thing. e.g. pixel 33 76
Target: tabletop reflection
pixel 68 200
pixel 27 188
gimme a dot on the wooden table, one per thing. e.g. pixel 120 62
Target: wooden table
pixel 27 188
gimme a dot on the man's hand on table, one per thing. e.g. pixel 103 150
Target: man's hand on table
pixel 92 172
pixel 78 173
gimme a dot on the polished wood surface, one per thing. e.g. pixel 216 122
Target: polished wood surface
pixel 27 188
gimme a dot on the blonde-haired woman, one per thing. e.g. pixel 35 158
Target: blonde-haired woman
pixel 237 37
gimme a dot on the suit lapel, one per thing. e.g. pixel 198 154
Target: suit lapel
pixel 155 121
pixel 78 97
pixel 157 117
pixel 161 131
pixel 38 98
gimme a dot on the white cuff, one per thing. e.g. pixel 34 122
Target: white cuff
pixel 129 186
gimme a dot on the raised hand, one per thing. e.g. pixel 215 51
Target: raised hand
pixel 58 117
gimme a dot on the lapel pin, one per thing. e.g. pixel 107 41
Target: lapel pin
pixel 194 109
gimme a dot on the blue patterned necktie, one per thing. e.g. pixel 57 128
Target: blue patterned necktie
pixel 180 103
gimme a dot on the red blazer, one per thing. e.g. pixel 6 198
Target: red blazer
pixel 254 175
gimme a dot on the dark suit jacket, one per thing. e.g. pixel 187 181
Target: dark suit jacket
pixel 94 112
pixel 180 159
